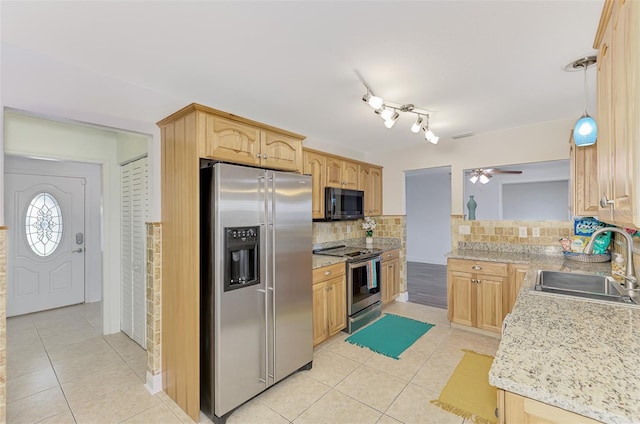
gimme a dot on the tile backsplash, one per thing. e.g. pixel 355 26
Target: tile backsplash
pixel 388 226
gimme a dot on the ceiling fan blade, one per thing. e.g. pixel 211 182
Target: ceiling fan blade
pixel 499 171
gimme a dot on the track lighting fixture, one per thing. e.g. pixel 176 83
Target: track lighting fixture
pixel 389 112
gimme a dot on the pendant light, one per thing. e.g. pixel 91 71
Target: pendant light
pixel 585 132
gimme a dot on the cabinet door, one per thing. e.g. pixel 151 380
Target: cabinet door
pixel 337 304
pixel 461 298
pixel 395 278
pixel 386 283
pixel 279 151
pixel 517 278
pixel 364 184
pixel 605 132
pixel 375 191
pixel 314 165
pixel 490 302
pixel 334 172
pixel 320 317
pixel 584 179
pixel 233 141
pixel 623 115
pixel 350 171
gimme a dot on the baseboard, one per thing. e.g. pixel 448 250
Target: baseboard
pixel 154 383
pixel 403 297
pixel 476 330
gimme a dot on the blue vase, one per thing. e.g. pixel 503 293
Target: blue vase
pixel 471 205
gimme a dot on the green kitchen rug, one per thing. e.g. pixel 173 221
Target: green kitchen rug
pixel 390 335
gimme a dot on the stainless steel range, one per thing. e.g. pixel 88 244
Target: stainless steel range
pixel 363 283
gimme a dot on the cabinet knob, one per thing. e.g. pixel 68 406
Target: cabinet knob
pixel 258 155
pixel 604 202
pixel 265 156
pixel 476 267
pixel 478 281
pixel 327 273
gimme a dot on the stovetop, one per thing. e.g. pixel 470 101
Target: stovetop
pixel 350 252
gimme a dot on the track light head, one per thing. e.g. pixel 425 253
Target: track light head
pixel 386 114
pixel 415 128
pixel 392 120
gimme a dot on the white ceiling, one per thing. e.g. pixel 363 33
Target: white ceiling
pixel 479 66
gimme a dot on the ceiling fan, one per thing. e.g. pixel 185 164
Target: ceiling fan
pixel 483 174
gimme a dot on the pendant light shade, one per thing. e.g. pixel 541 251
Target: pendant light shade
pixel 585 132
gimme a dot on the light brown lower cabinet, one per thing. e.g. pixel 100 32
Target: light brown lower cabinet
pixel 516 409
pixel 477 293
pixel 390 279
pixel 329 301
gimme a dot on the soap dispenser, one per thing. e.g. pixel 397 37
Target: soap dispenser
pixel 618 267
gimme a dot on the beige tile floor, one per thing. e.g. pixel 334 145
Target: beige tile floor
pixel 61 370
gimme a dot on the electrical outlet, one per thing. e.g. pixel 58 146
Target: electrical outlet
pixel 348 228
pixel 464 229
pixel 522 232
pixel 535 232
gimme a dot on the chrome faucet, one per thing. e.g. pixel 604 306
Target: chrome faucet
pixel 630 277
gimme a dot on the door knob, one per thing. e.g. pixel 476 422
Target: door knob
pixel 78 250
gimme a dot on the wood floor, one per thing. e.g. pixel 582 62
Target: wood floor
pixel 427 284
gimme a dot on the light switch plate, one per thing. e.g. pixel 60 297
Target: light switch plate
pixel 348 228
pixel 464 229
pixel 522 232
pixel 535 232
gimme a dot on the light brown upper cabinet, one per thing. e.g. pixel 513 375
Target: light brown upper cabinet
pixel 315 165
pixel 370 181
pixel 328 170
pixel 618 44
pixel 342 173
pixel 584 179
pixel 233 139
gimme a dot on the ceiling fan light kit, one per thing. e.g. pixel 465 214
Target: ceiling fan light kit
pixel 585 132
pixel 389 112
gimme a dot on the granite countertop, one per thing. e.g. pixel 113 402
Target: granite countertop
pixel 579 355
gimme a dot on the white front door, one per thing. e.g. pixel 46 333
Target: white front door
pixel 45 267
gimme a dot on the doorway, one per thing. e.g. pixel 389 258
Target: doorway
pixel 428 206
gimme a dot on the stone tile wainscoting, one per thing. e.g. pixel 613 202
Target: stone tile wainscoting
pixel 388 226
pixel 154 306
pixel 3 324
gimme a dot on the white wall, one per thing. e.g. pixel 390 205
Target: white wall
pixel 428 215
pixel 534 143
pixel 130 146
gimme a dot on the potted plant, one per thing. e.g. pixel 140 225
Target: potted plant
pixel 368 225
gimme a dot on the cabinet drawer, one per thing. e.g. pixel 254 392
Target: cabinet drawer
pixel 478 267
pixel 328 272
pixel 390 254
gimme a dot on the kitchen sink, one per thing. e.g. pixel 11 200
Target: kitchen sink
pixel 588 286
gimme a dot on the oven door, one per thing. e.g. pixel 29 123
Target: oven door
pixel 363 284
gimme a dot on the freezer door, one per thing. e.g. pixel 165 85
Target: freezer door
pixel 289 265
pixel 240 358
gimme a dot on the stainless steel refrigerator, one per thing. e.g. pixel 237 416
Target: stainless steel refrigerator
pixel 256 300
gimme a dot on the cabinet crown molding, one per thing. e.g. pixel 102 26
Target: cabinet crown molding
pixel 195 107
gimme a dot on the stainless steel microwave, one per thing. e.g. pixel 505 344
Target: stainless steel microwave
pixel 343 205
